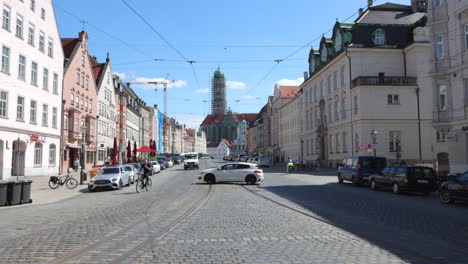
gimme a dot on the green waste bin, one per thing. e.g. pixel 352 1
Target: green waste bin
pixel 26 192
pixel 14 192
pixel 3 193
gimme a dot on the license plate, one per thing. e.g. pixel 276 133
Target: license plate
pixel 422 181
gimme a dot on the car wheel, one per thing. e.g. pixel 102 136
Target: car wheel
pixel 128 183
pixel 250 179
pixel 355 180
pixel 445 196
pixel 90 189
pixel 396 188
pixel 373 186
pixel 120 184
pixel 210 178
pixel 340 180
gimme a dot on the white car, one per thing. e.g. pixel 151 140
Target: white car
pixel 233 172
pixel 170 163
pixel 191 161
pixel 133 173
pixel 114 177
pixel 156 167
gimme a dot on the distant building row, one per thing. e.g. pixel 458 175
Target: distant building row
pixel 55 99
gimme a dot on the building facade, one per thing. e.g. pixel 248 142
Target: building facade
pixel 80 104
pixel 30 90
pixel 289 130
pixel 239 145
pixel 448 21
pixel 106 112
pixel 218 150
pixel 218 93
pixel 200 142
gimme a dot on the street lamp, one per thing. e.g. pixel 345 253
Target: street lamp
pixel 374 139
pixel 83 143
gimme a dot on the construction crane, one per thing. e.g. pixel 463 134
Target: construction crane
pixel 164 84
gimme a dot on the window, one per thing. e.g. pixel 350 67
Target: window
pixel 33 5
pixel 34 73
pixel 19 26
pixel 343 140
pixel 337 111
pixel 45 114
pixel 330 143
pixel 6 18
pixel 437 3
pixel 329 83
pixel 82 103
pixel 72 100
pixel 336 81
pixel 3 104
pixel 466 37
pixel 441 136
pixel 322 88
pixel 343 108
pixel 393 99
pixel 50 48
pixel 342 75
pixel 439 47
pixel 87 84
pixel 22 68
pixel 83 60
pixel 20 109
pixel 31 34
pixel 82 81
pixel 45 79
pixel 42 13
pixel 330 112
pixel 33 112
pixel 442 97
pixel 77 100
pixel 55 84
pixel 52 154
pixel 395 141
pixel 54 117
pixel 37 154
pixel 337 143
pixel 41 41
pixel 5 59
pixel 355 104
pixel 65 122
pixel 78 78
pixel 378 37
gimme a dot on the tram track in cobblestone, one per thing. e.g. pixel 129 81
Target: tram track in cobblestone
pixel 381 243
pixel 71 257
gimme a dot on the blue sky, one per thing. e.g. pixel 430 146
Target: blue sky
pixel 243 37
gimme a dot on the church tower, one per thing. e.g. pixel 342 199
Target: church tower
pixel 218 93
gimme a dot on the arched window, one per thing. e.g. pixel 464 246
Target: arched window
pixel 378 37
pixel 52 154
pixel 37 154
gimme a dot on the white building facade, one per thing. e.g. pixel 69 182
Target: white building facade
pixel 200 142
pixel 289 134
pixel 240 143
pixel 218 150
pixel 31 76
pixel 448 21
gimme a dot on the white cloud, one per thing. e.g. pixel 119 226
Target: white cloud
pixel 202 91
pixel 288 82
pixel 121 75
pixel 235 85
pixel 190 120
pixel 247 96
pixel 142 83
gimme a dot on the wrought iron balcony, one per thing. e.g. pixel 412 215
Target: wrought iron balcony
pixel 384 81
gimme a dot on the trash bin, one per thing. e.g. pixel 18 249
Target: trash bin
pixel 26 192
pixel 3 193
pixel 14 192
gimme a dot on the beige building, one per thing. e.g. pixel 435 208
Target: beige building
pixel 289 130
pixel 448 21
pixel 370 75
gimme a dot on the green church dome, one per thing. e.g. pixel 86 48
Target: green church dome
pixel 219 73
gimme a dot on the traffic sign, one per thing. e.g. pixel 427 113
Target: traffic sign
pixel 362 146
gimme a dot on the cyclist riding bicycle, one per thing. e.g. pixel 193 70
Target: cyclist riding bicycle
pixel 290 166
pixel 146 172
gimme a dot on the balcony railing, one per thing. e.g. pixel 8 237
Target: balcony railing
pixel 384 81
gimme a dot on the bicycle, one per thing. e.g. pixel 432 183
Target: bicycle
pixel 56 181
pixel 290 169
pixel 142 184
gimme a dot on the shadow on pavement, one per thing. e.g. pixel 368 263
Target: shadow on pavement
pixel 419 224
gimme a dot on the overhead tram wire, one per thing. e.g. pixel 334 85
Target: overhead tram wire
pixel 288 57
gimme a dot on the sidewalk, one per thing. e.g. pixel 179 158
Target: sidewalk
pixel 41 193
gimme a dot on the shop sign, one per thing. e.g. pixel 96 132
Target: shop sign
pixel 37 138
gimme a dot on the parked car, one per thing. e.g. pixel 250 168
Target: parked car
pixel 405 178
pixel 357 169
pixel 233 172
pixel 264 162
pixel 114 177
pixel 133 172
pixel 256 160
pixel 156 167
pixel 162 164
pixel 170 163
pixel 455 189
pixel 177 160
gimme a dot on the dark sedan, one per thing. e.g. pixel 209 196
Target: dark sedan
pixel 163 163
pixel 456 189
pixel 405 178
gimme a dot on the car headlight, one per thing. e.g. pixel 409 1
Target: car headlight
pixel 92 180
pixel 114 179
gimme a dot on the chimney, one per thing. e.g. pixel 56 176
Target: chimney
pixel 419 5
pixel 128 84
pixel 361 11
pixel 369 3
pixel 306 76
pixel 108 58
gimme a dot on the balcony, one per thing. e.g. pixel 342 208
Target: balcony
pixel 384 81
pixel 72 136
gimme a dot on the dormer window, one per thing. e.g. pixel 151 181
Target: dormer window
pixel 378 37
pixel 324 54
pixel 338 41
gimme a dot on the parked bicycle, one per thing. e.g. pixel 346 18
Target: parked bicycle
pixel 143 183
pixel 69 181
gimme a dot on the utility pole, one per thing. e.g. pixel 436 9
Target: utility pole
pixel 164 84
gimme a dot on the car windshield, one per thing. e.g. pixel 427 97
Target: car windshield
pixel 110 170
pixel 190 156
pixel 129 168
pixel 373 163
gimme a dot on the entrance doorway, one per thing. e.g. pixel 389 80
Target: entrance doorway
pixel 18 158
pixel 443 162
pixel 1 159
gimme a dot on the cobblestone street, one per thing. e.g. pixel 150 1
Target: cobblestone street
pixel 297 218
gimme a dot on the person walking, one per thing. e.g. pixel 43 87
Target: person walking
pixel 76 164
pixel 317 165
